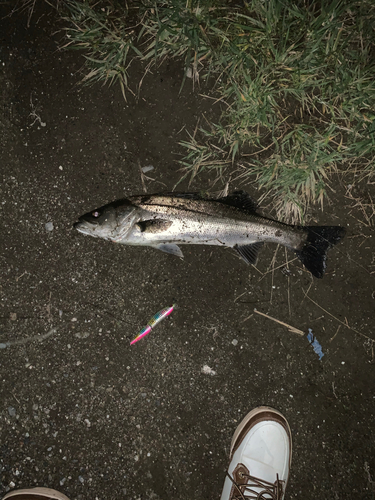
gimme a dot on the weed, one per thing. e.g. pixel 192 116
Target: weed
pixel 298 80
pixel 108 40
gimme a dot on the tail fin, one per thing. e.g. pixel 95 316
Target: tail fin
pixel 320 239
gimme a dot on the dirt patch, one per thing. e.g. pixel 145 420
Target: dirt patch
pixel 86 414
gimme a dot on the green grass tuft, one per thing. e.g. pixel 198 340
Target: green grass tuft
pixel 104 33
pixel 298 79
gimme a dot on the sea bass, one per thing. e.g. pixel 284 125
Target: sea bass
pixel 164 221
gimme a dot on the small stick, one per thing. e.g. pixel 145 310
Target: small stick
pixel 255 267
pixel 251 315
pixel 290 328
pixel 287 266
pixel 342 322
pixel 337 331
pixel 306 292
pixel 18 401
pixel 20 276
pixel 278 267
pixel 273 270
pixel 235 300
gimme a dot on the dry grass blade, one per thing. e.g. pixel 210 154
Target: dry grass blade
pixel 278 267
pixel 292 329
pixel 367 209
pixel 339 320
pixel 142 177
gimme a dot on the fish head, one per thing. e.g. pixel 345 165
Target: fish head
pixel 110 222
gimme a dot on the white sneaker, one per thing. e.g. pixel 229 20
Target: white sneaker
pixel 261 454
pixel 35 494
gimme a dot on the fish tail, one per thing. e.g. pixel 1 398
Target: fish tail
pixel 320 239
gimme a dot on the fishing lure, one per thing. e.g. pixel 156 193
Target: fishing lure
pixel 153 322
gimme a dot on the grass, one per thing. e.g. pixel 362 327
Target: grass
pixel 297 78
pixel 108 40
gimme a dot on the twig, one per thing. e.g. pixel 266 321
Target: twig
pixel 251 315
pixel 20 276
pixel 290 328
pixel 306 292
pixel 255 267
pixel 337 331
pixel 278 267
pixel 339 320
pixel 31 10
pixel 34 114
pixel 287 266
pixel 273 269
pixel 18 401
pixel 235 300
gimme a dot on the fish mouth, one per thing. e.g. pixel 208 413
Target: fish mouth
pixel 84 226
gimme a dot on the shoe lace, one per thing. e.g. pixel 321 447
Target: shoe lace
pixel 246 492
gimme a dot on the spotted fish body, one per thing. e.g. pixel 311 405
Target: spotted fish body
pixel 165 221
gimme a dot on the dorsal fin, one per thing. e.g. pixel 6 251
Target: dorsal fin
pixel 240 199
pixel 201 195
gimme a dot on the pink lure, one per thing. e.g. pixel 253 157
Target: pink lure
pixel 153 322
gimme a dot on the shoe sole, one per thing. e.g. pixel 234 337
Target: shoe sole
pixel 37 492
pixel 256 416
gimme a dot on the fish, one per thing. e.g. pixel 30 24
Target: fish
pixel 159 316
pixel 165 221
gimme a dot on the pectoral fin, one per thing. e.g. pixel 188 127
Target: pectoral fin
pixel 249 253
pixel 154 226
pixel 170 248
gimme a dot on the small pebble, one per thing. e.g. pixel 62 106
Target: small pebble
pixel 49 226
pixel 147 169
pixel 234 341
pixel 12 411
pixel 82 335
pixel 207 370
